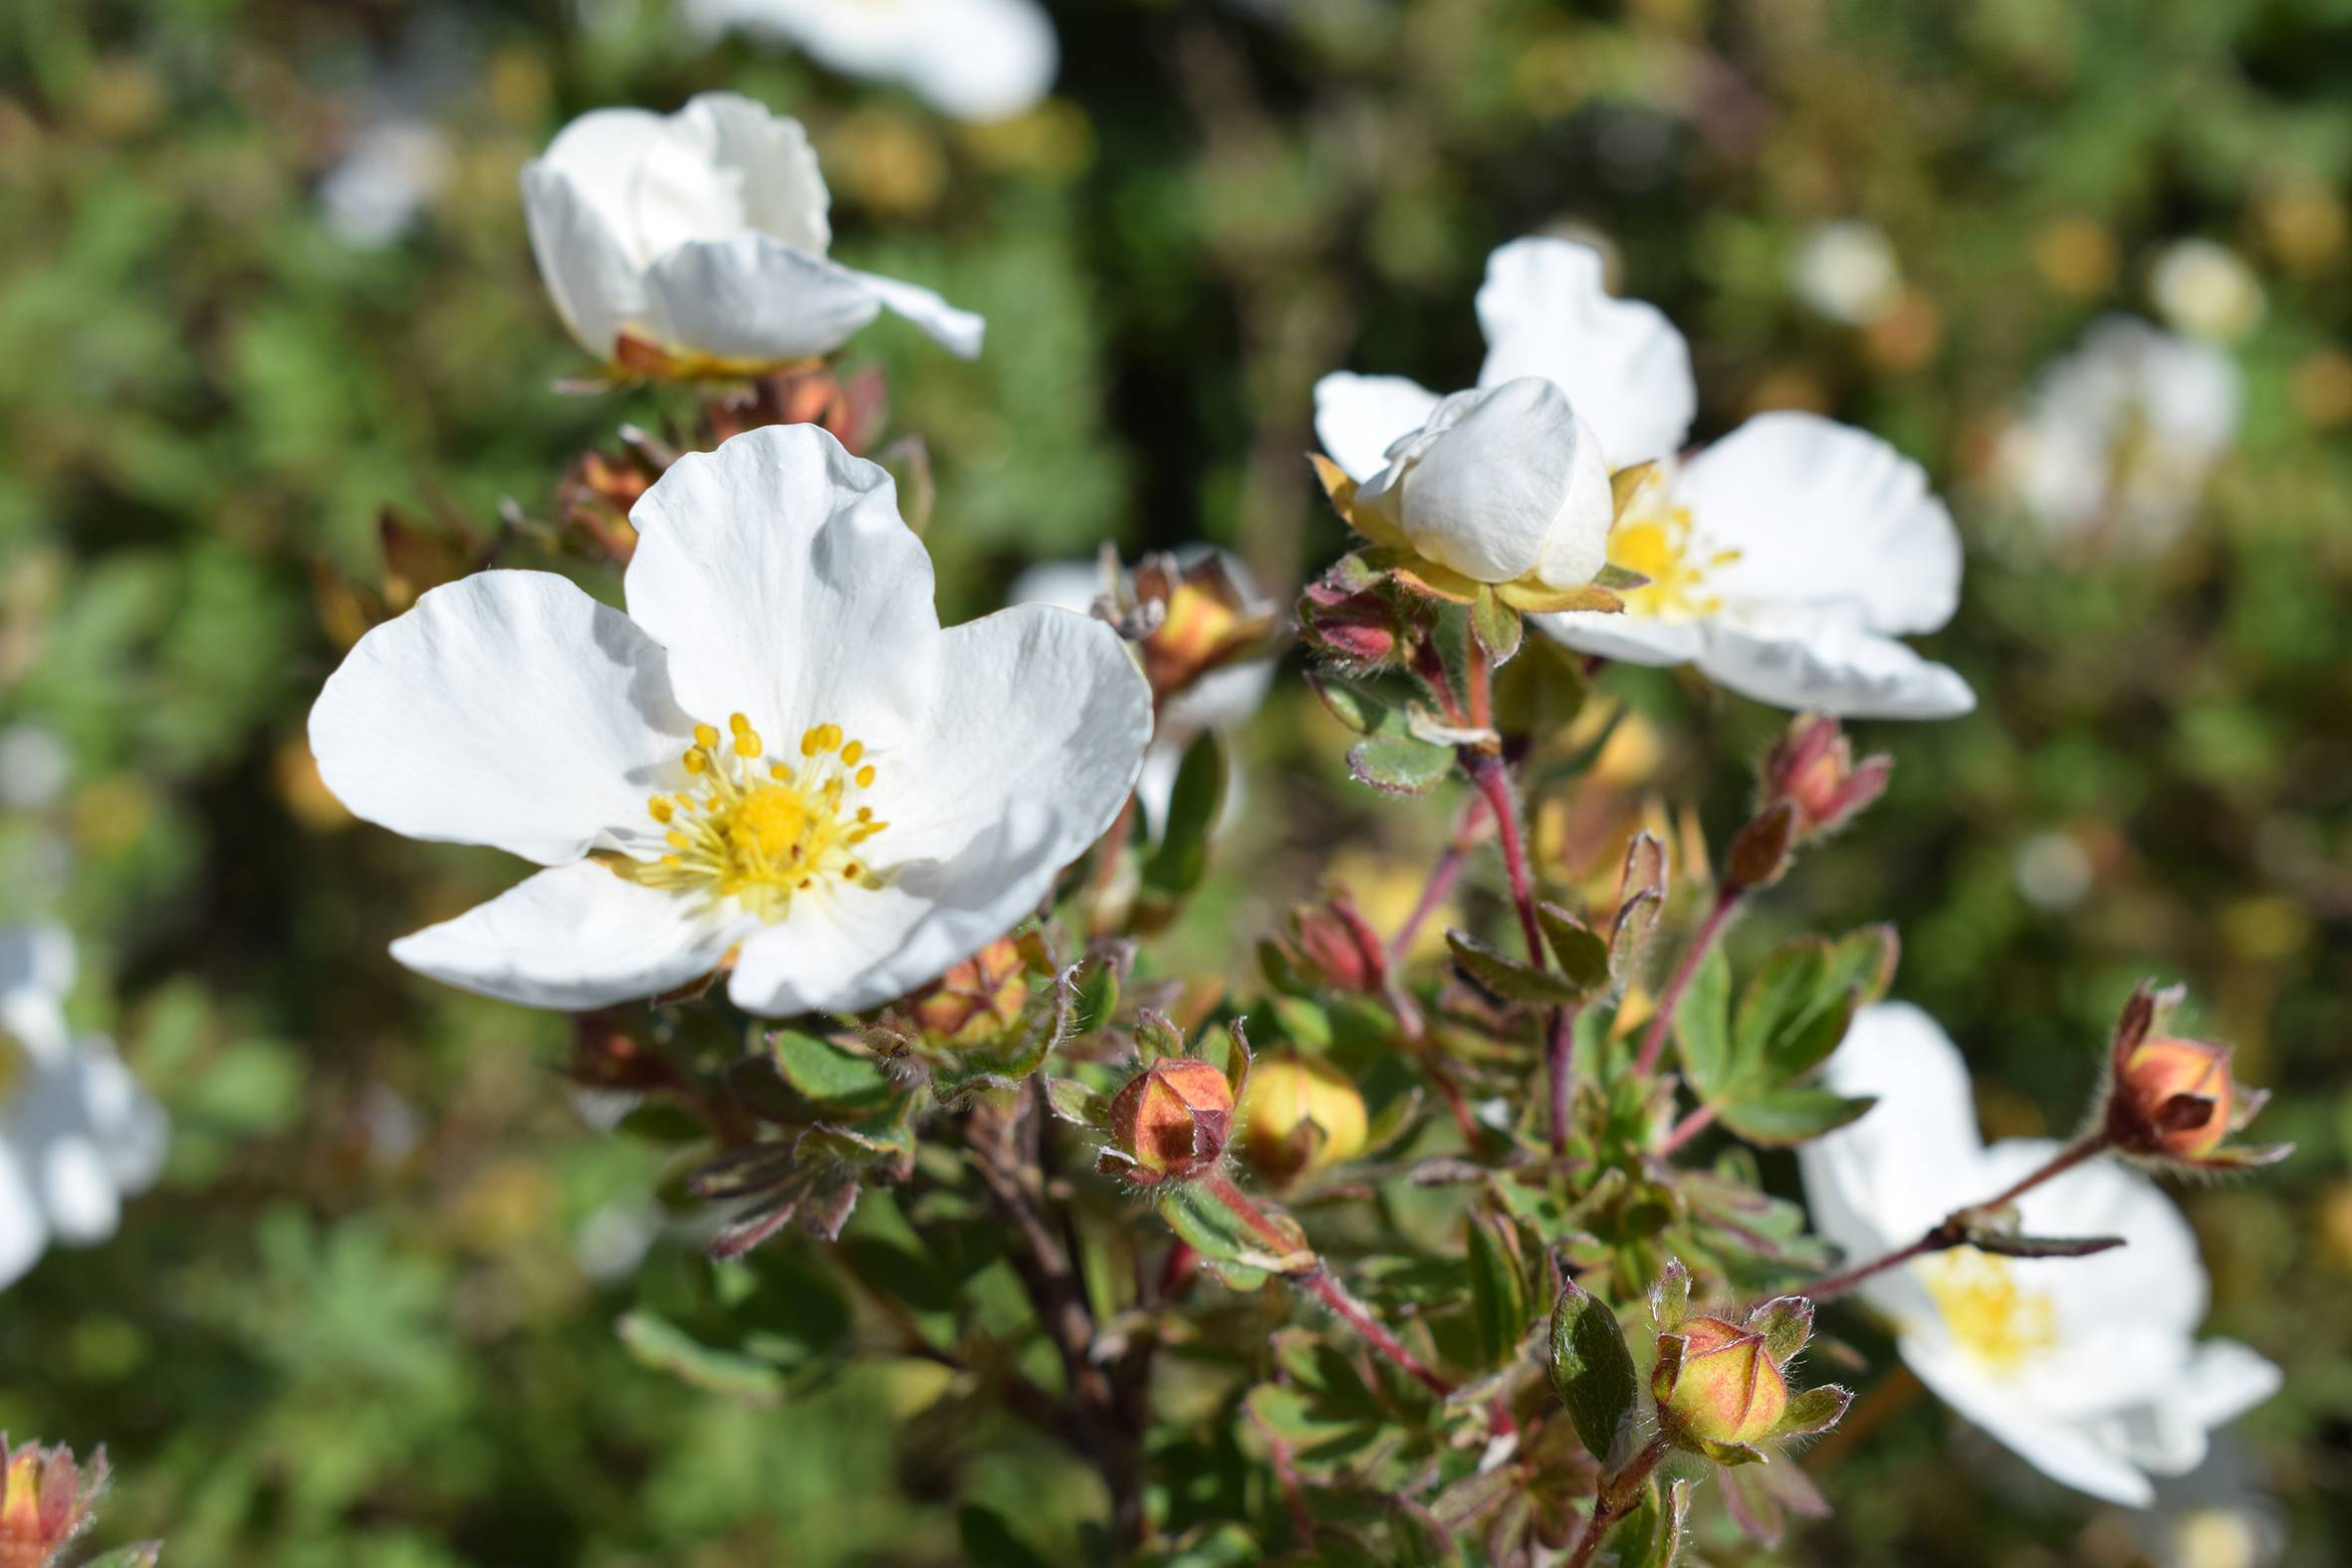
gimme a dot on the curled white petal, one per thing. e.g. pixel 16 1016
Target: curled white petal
pixel 1358 418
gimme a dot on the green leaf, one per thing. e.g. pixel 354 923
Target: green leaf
pixel 1790 1116
pixel 1651 1535
pixel 143 1555
pixel 1703 1029
pixel 1218 1234
pixel 1075 1102
pixel 1780 996
pixel 1177 865
pixel 1400 765
pixel 660 1344
pixel 1497 626
pixel 1355 707
pixel 989 1541
pixel 828 1073
pixel 1865 960
pixel 1815 1410
pixel 1498 1306
pixel 1582 953
pixel 1798 1049
pixel 1508 976
pixel 1786 1322
pixel 1098 996
pixel 1011 1056
pixel 1593 1370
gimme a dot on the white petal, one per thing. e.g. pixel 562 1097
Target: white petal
pixel 752 296
pixel 858 948
pixel 2157 1279
pixel 765 161
pixel 24 1228
pixel 976 60
pixel 1820 512
pixel 1825 664
pixel 508 708
pixel 38 958
pixel 779 576
pixel 60 1150
pixel 959 332
pixel 2061 1449
pixel 2225 1380
pixel 579 936
pixel 1499 483
pixel 132 1130
pixel 1888 1176
pixel 1035 704
pixel 1358 418
pixel 597 287
pixel 1635 639
pixel 1546 311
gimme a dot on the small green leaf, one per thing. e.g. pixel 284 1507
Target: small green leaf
pixel 1098 996
pixel 658 1343
pixel 989 1541
pixel 1703 1029
pixel 1584 954
pixel 1651 1535
pixel 1790 1116
pixel 1780 996
pixel 1593 1370
pixel 1786 1322
pixel 1815 1410
pixel 1073 1101
pixel 1508 976
pixel 826 1072
pixel 1498 1306
pixel 1176 866
pixel 1400 765
pixel 1353 706
pixel 1221 1235
pixel 1865 960
pixel 1497 626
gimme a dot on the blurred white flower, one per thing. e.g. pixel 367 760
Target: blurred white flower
pixel 2088 1368
pixel 1785 561
pixel 2053 871
pixel 1847 272
pixel 34 767
pixel 2118 437
pixel 699 238
pixel 76 1132
pixel 2203 288
pixel 387 177
pixel 923 788
pixel 1222 700
pixel 977 60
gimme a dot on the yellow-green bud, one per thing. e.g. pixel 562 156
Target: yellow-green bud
pixel 1299 1115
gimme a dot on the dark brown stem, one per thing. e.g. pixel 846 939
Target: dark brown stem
pixel 1653 1044
pixel 1615 1498
pixel 1952 1231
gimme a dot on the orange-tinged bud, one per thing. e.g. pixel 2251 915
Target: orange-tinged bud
pixel 977 1000
pixel 1299 1115
pixel 1173 1119
pixel 1813 768
pixel 2165 1080
pixel 1726 1389
pixel 46 1499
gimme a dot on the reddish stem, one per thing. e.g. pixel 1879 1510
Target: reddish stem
pixel 1952 1231
pixel 1493 779
pixel 1442 879
pixel 1653 1044
pixel 1615 1498
pixel 1688 1128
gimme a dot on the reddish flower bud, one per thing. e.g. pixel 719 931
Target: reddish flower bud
pixel 977 1000
pixel 1299 1115
pixel 1333 941
pixel 1813 767
pixel 1172 1120
pixel 2181 1091
pixel 46 1500
pixel 1725 1389
pixel 1361 627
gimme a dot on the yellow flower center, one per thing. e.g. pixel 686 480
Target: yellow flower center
pixel 1655 541
pixel 1991 1316
pixel 760 831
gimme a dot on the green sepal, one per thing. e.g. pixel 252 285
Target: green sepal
pixel 1506 976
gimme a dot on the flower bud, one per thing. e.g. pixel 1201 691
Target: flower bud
pixel 1171 1121
pixel 1195 619
pixel 2181 1089
pixel 1726 1389
pixel 1361 626
pixel 1500 484
pixel 1813 768
pixel 977 1000
pixel 1299 1115
pixel 46 1499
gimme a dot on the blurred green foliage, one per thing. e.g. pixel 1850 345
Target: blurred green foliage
pixel 368 1320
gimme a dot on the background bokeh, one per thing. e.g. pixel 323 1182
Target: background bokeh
pixel 367 1318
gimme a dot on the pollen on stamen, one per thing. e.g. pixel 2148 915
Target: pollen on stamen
pixel 747 743
pixel 852 752
pixel 865 776
pixel 661 808
pixel 829 736
pixel 706 735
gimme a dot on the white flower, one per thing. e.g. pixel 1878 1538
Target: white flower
pixel 2203 288
pixel 778 749
pixel 1847 272
pixel 1499 485
pixel 976 60
pixel 1222 700
pixel 2087 1367
pixel 1785 561
pixel 389 175
pixel 702 236
pixel 2119 436
pixel 76 1132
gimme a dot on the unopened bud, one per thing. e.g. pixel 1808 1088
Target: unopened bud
pixel 1360 627
pixel 1727 1388
pixel 977 1000
pixel 1299 1115
pixel 2181 1091
pixel 1334 942
pixel 46 1499
pixel 1813 767
pixel 1760 850
pixel 1172 1120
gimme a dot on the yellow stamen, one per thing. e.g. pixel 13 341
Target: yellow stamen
pixel 705 736
pixel 1986 1311
pixel 1653 538
pixel 865 776
pixel 661 808
pixel 851 753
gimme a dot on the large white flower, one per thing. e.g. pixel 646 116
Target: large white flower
pixel 2119 436
pixel 777 750
pixel 700 237
pixel 977 60
pixel 76 1132
pixel 1785 561
pixel 2087 1367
